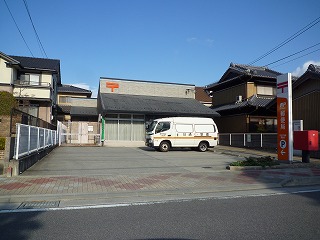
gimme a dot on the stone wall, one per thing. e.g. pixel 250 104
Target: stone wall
pixel 4 126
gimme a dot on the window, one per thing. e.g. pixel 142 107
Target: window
pixel 31 109
pixel 201 128
pixel 64 99
pixel 30 79
pixel 184 128
pixel 125 127
pixel 34 79
pixel 266 90
pixel 162 126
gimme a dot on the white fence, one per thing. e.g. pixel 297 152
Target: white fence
pixel 62 132
pixel 30 139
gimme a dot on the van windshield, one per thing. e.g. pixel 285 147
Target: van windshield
pixel 152 126
pixel 162 126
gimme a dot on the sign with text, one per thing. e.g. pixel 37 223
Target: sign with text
pixel 284 117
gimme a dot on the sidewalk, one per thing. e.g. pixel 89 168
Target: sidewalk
pixel 116 188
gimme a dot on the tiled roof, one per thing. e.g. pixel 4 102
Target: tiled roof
pixel 314 68
pixel 154 105
pixel 84 111
pixel 72 89
pixel 237 71
pixel 255 101
pixel 201 95
pixel 254 70
pixel 39 64
pixel 313 72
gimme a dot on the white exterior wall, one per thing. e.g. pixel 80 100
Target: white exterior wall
pixel 6 74
pixel 132 87
pixel 32 92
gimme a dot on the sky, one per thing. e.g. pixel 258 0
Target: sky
pixel 176 41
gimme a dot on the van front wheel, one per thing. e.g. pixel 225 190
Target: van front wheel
pixel 164 146
pixel 203 146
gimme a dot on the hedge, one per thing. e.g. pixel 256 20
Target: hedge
pixel 7 102
pixel 2 143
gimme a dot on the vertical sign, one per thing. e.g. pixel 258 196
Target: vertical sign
pixel 102 129
pixel 284 117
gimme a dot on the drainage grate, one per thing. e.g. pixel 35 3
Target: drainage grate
pixel 37 205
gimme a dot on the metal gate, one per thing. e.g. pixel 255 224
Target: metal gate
pixel 80 133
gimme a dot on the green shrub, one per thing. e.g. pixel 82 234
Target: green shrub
pixel 7 102
pixel 2 143
pixel 253 161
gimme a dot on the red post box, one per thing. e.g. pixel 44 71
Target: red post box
pixel 306 140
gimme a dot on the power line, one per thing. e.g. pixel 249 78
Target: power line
pixel 291 55
pixel 301 31
pixel 41 46
pixel 298 57
pixel 18 27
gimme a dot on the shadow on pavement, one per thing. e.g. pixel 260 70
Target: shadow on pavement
pixel 18 225
pixel 296 174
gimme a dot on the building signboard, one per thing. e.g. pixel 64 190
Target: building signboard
pixel 284 117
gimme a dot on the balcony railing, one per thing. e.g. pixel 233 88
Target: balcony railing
pixel 31 84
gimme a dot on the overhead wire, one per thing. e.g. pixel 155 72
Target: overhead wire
pixel 292 55
pixel 292 37
pixel 18 28
pixel 297 57
pixel 38 38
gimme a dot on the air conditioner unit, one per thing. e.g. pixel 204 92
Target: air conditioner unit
pixel 239 98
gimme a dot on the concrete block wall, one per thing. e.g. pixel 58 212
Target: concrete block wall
pixel 145 88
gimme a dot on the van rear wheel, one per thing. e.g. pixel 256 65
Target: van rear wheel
pixel 203 146
pixel 164 146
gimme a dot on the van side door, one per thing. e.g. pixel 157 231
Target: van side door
pixel 183 135
pixel 206 132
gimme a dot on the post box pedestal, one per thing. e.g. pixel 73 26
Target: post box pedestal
pixel 305 156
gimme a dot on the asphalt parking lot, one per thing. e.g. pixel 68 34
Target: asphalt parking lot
pixel 128 160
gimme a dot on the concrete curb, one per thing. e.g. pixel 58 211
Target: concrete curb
pixel 300 181
pixel 67 200
pixel 281 166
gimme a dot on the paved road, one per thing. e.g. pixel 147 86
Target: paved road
pixel 283 216
pixel 112 160
pixel 77 176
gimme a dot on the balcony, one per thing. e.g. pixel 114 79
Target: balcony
pixel 24 83
pixel 32 90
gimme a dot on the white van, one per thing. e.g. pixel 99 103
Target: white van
pixel 194 132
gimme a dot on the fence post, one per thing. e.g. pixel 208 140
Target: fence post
pixel 261 140
pixel 16 156
pixel 29 138
pixel 38 139
pixel 244 139
pixel 59 133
